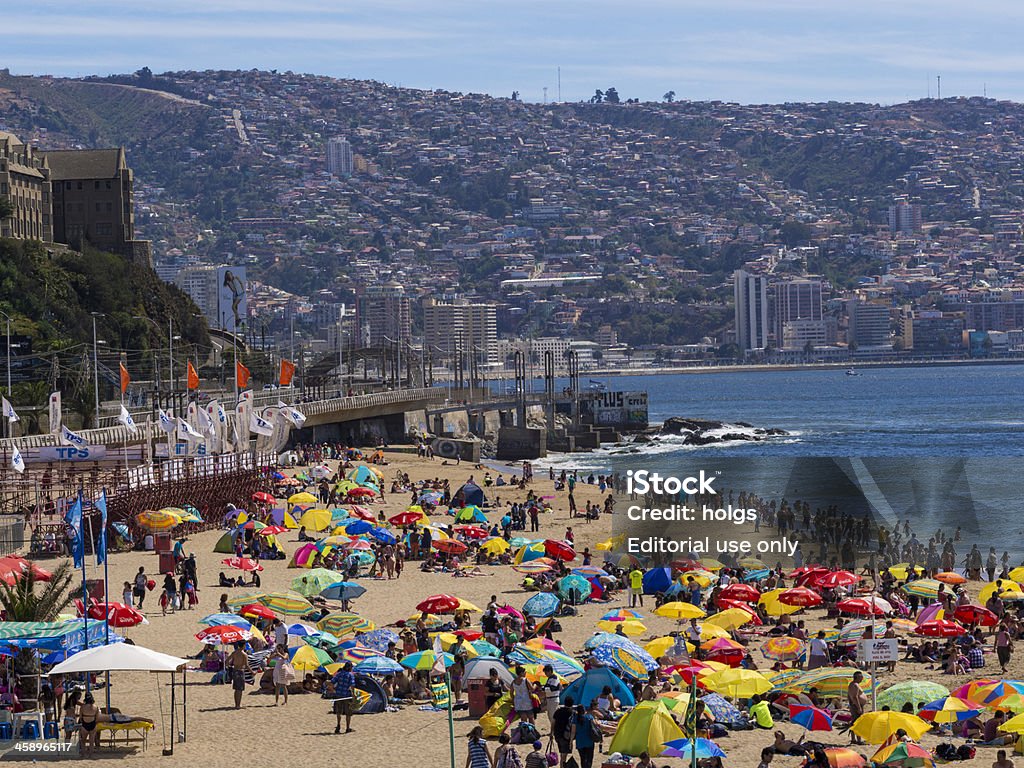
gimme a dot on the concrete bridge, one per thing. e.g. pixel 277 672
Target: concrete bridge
pixel 389 415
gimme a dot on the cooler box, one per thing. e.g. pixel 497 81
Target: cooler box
pixel 162 542
pixel 477 693
pixel 166 562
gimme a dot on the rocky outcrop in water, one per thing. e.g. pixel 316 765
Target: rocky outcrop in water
pixel 708 431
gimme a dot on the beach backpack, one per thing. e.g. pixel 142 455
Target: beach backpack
pixel 965 752
pixel 525 733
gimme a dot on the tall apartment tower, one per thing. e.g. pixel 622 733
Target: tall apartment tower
pixel 462 325
pixel 383 310
pixel 904 217
pixel 339 157
pixel 750 292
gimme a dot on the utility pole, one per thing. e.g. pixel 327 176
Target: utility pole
pixel 7 426
pixel 95 369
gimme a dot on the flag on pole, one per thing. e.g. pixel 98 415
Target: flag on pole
pixel 101 541
pixel 73 517
pixel 166 422
pixel 204 422
pixel 289 414
pixel 287 372
pixel 67 437
pixel 17 462
pixel 260 426
pixel 9 413
pixel 438 668
pixel 192 381
pixel 126 419
pixel 186 431
pixel 55 420
pixel 125 378
pixel 242 374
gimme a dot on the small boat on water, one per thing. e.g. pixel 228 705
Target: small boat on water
pixel 851 372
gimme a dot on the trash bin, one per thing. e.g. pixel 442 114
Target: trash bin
pixel 162 542
pixel 166 562
pixel 477 693
pixel 147 542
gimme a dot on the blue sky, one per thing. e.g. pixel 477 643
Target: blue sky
pixel 751 51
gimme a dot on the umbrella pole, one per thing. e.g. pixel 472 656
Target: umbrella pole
pixel 451 722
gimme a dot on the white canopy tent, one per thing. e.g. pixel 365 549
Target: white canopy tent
pixel 119 657
pixel 126 657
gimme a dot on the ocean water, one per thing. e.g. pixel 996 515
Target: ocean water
pixel 943 446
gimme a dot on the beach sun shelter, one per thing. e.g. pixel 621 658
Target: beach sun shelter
pixel 645 729
pixel 122 657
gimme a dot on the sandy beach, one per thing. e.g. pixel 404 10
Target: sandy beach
pixel 302 733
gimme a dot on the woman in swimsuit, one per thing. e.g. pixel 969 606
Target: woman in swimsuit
pixel 88 717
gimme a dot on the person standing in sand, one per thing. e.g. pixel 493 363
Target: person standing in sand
pixel 238 663
pixel 857 701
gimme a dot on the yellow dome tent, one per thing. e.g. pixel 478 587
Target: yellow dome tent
pixel 645 729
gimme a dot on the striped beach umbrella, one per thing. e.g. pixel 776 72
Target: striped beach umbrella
pixel 782 648
pixel 342 623
pixel 286 603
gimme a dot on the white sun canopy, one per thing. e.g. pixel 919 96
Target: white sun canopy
pixel 119 657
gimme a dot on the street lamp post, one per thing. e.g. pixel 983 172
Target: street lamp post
pixel 7 427
pixel 95 369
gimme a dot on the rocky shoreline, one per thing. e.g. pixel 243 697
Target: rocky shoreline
pixel 703 432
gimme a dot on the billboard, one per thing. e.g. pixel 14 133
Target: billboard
pixel 623 410
pixel 232 308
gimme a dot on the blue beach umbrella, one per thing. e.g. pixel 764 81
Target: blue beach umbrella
pixel 378 639
pixel 378 665
pixel 224 620
pixel 343 590
pixel 699 748
pixel 357 527
pixel 541 605
pixel 383 536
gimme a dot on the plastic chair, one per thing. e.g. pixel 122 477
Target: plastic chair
pixel 6 731
pixel 30 730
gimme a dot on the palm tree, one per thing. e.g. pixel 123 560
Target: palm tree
pixel 22 602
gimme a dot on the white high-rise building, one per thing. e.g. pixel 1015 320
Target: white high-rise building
pixel 339 157
pixel 750 293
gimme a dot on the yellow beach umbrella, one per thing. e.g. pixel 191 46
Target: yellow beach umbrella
pixel 302 498
pixel 432 621
pixel 659 646
pixel 343 623
pixel 702 577
pixel 465 605
pixel 316 519
pixel 629 628
pixel 448 640
pixel 1014 725
pixel 772 606
pixel 1002 585
pixel 679 611
pixel 157 520
pixel 730 618
pixel 287 603
pixel 709 631
pixel 711 564
pixel 876 727
pixel 240 600
pixel 495 546
pixel 737 683
pixel 613 543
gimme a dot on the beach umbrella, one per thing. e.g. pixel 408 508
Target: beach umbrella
pixel 271 530
pixel 383 535
pixel 930 612
pixel 589 571
pixel 439 604
pixel 357 527
pixel 800 596
pixel 927 589
pixel 630 628
pixel 560 662
pixel 316 581
pixel 913 692
pixel 772 604
pixel 622 614
pixel 242 563
pixel 285 603
pixel 678 701
pixel 742 592
pixel 361 513
pixel 940 628
pixel 948 577
pixel 431 621
pixel 157 521
pixel 830 681
pixel 378 639
pixel 316 519
pixel 424 660
pixel 465 605
pixel 702 749
pixel 472 531
pixel 377 665
pixel 530 569
pixel 659 646
pixel 854 631
pixel 344 623
pixel 352 650
pixel 450 546
pixel 306 658
pixel 559 550
pixel 406 518
pixel 362 492
pixel 902 571
pixel 431 497
pixel 999 693
pixel 542 605
pixel 302 498
pixel 251 525
pixel 222 619
pixel 834 579
pixel 679 611
pixel 485 648
pixel 117 614
pixel 904 754
pixel 727 650
pixel 280 517
pixel 497 546
pixel 258 611
pixel 480 669
pixel 267 498
pixel 811 718
pixel 976 690
pixel 876 727
pixel 975 614
pixel 860 606
pixel 844 757
pixel 782 648
pixel 240 600
pixel 223 634
pixel 730 618
pixel 949 709
pixel 1014 725
pixel 574 588
pixel 342 590
pixel 737 683
pixel 529 552
pixel 298 629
